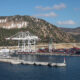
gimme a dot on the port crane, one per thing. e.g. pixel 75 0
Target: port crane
pixel 26 41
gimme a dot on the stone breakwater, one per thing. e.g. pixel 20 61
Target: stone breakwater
pixel 17 61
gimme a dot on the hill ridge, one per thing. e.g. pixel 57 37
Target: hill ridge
pixel 36 26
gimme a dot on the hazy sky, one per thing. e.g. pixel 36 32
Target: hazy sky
pixel 63 13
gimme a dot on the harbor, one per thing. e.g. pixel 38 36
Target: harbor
pixel 27 46
pixel 39 39
pixel 27 43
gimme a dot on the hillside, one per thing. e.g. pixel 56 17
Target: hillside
pixel 9 25
pixel 75 32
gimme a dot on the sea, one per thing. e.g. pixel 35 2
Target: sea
pixel 32 72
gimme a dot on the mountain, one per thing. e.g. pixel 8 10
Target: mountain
pixel 9 25
pixel 75 32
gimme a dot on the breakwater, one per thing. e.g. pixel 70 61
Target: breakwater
pixel 17 61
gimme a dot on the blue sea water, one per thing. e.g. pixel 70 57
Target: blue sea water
pixel 31 72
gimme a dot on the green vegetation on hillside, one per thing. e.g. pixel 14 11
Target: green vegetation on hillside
pixel 38 27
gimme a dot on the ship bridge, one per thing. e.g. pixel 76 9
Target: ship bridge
pixel 26 41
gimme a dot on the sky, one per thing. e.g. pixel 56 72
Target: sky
pixel 62 13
